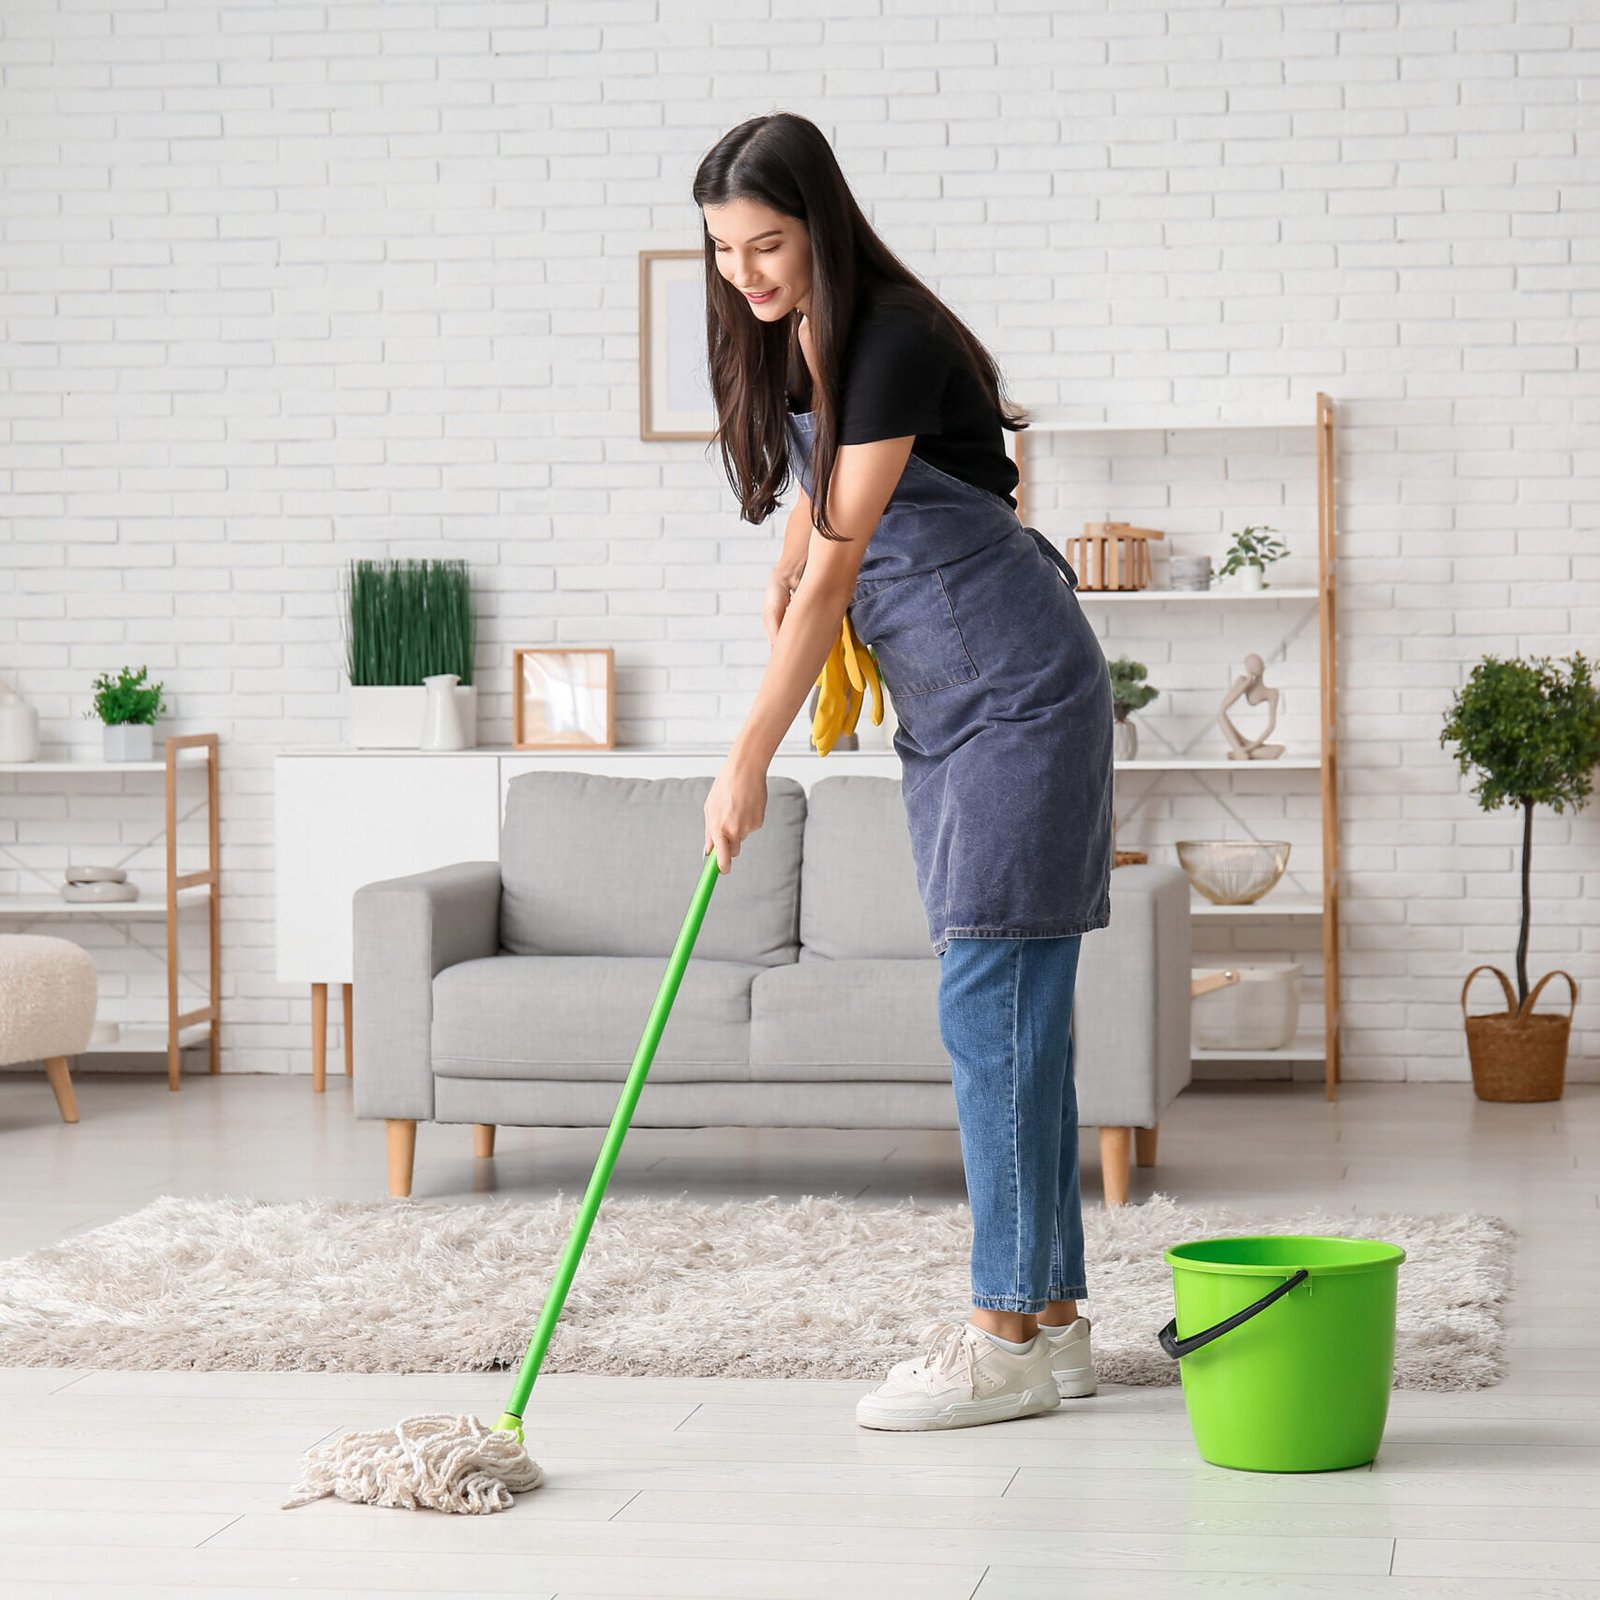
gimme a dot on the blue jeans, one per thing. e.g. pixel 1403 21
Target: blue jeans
pixel 1005 1015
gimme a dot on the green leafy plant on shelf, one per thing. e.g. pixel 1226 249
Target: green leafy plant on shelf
pixel 1254 547
pixel 1129 691
pixel 1531 733
pixel 407 620
pixel 125 699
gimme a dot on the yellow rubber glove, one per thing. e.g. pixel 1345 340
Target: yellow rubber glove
pixel 848 667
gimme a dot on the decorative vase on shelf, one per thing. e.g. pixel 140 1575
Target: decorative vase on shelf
pixel 19 726
pixel 442 725
pixel 1252 578
pixel 129 741
pixel 1124 740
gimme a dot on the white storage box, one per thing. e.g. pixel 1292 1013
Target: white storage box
pixel 1259 1012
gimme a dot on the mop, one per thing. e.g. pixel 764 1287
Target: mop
pixel 454 1463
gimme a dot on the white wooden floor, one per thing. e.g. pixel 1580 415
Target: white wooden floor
pixel 146 1484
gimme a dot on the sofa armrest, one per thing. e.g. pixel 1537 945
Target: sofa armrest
pixel 406 931
pixel 1131 1010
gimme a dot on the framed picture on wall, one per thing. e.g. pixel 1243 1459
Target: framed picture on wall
pixel 564 699
pixel 674 386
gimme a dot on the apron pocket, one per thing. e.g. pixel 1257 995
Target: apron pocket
pixel 911 627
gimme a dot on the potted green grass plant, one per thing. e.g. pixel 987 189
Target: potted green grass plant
pixel 128 706
pixel 407 622
pixel 1129 693
pixel 1531 733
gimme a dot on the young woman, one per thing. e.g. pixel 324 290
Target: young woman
pixel 828 355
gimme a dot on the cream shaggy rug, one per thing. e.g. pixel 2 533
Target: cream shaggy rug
pixel 815 1288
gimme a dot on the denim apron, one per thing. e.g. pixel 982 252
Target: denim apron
pixel 1004 705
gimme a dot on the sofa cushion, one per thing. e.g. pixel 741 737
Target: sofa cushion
pixel 582 1017
pixel 596 865
pixel 858 894
pixel 834 1020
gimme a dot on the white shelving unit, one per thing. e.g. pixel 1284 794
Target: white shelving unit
pixel 1293 907
pixel 184 892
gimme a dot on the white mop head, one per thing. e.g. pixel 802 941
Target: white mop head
pixel 442 1462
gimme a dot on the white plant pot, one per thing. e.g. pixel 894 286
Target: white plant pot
pixel 1252 577
pixel 1124 740
pixel 390 716
pixel 129 741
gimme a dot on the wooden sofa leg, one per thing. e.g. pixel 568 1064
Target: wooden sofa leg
pixel 1115 1149
pixel 402 1155
pixel 1144 1145
pixel 483 1139
pixel 61 1082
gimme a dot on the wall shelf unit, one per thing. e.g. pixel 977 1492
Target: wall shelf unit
pixel 1295 907
pixel 185 891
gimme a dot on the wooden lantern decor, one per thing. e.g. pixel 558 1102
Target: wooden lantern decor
pixel 1112 555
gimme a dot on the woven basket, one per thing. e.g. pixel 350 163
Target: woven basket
pixel 1516 1055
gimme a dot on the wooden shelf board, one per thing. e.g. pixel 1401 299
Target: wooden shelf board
pixel 1304 1047
pixel 1188 596
pixel 1272 905
pixel 1046 422
pixel 139 1039
pixel 29 906
pixel 1217 764
pixel 196 760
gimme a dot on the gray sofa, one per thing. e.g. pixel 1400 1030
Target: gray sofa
pixel 516 991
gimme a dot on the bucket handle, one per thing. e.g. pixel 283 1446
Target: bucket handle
pixel 1176 1347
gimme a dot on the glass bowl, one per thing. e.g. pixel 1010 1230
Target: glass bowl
pixel 1233 872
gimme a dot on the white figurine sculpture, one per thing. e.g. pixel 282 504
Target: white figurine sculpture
pixel 1254 691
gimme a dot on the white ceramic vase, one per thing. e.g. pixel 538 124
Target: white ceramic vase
pixel 19 728
pixel 442 725
pixel 1124 740
pixel 1252 577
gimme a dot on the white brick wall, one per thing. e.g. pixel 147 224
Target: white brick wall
pixel 282 285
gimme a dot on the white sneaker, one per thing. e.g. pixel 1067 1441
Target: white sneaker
pixel 961 1379
pixel 1070 1358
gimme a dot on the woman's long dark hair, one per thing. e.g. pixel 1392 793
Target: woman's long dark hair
pixel 784 161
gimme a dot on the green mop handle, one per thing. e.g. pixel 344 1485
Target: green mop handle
pixel 511 1420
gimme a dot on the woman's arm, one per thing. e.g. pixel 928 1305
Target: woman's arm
pixel 864 478
pixel 786 574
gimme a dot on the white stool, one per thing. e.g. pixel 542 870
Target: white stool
pixel 47 1003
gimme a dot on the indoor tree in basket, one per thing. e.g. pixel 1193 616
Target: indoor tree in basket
pixel 1250 553
pixel 128 706
pixel 1129 693
pixel 1531 732
pixel 410 633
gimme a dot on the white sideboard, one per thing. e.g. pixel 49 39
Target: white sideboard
pixel 345 817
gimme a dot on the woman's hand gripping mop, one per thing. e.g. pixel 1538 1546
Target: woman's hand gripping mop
pixel 454 1463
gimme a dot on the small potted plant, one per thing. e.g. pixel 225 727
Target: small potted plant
pixel 1250 554
pixel 1129 693
pixel 128 707
pixel 408 621
pixel 1532 734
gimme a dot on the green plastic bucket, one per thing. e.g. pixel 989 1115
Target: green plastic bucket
pixel 1288 1358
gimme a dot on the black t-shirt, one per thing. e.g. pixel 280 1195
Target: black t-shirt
pixel 903 376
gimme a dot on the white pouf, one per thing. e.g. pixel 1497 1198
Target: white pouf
pixel 48 993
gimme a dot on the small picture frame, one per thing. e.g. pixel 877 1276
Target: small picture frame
pixel 675 400
pixel 564 698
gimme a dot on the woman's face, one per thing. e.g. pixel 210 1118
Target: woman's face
pixel 761 251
